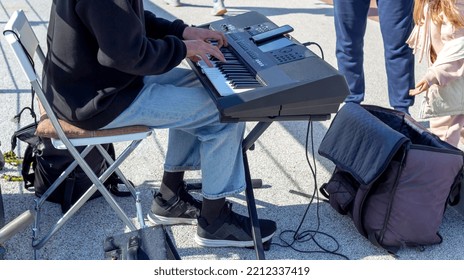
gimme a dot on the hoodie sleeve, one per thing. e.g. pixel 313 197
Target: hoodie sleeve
pixel 159 27
pixel 122 41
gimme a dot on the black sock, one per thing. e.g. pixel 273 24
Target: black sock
pixel 171 183
pixel 211 208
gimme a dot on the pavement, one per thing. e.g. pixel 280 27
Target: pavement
pixel 279 159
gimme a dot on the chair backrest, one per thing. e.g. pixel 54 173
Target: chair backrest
pixel 24 43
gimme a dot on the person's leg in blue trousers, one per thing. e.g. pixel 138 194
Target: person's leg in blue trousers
pixel 197 139
pixel 396 24
pixel 350 26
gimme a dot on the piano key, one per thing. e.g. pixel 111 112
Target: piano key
pixel 219 81
pixel 238 77
pixel 246 86
pixel 238 72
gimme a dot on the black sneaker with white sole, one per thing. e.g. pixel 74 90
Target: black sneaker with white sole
pixel 231 230
pixel 181 209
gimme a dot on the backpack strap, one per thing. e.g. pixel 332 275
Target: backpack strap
pixel 455 192
pixel 113 187
pixel 69 184
pixel 29 162
pixel 340 191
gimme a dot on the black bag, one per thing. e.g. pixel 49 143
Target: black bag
pixel 149 243
pixel 34 145
pixel 392 177
pixel 43 164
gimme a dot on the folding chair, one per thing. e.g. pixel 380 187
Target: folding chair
pixel 24 43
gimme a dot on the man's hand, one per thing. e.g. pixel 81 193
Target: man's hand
pixel 198 44
pixel 195 33
pixel 420 87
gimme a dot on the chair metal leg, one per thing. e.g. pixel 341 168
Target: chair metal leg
pixel 127 183
pixel 98 182
pixel 97 185
pixel 118 172
pixel 39 202
pixel 37 244
pixel 138 206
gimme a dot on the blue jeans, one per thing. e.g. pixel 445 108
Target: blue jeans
pixel 396 24
pixel 197 139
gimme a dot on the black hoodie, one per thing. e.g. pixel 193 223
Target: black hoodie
pixel 98 53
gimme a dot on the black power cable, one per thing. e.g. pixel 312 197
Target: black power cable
pixel 292 238
pixel 307 44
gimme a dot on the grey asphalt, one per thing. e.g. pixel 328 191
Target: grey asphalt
pixel 279 158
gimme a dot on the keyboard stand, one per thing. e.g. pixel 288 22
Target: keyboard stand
pixel 248 143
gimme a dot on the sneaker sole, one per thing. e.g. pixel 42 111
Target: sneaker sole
pixel 160 220
pixel 227 243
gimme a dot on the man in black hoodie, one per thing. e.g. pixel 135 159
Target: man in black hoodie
pixel 110 64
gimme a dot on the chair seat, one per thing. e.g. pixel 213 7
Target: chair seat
pixel 81 137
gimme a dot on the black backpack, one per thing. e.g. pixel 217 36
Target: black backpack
pixel 42 165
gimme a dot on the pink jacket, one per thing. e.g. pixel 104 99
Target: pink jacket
pixel 439 36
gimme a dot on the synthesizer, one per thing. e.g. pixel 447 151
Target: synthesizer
pixel 268 75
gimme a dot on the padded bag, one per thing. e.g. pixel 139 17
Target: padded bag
pixel 392 176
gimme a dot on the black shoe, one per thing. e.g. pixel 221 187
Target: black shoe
pixel 181 209
pixel 231 230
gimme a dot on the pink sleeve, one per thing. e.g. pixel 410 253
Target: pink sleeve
pixel 445 73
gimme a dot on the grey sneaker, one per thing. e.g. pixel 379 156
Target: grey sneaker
pixel 181 209
pixel 174 3
pixel 219 9
pixel 231 230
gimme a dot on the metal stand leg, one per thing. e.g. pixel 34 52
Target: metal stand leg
pixel 248 143
pixel 251 205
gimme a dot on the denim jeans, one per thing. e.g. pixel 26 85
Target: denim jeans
pixel 197 139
